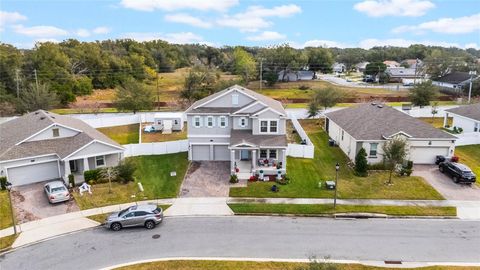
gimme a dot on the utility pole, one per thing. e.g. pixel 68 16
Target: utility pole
pixel 18 83
pixel 36 77
pixel 158 90
pixel 415 75
pixel 261 73
pixel 471 82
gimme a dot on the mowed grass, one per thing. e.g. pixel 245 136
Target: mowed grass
pixel 7 241
pixel 325 209
pixel 470 156
pixel 249 265
pixel 159 137
pixel 154 174
pixel 5 213
pixel 122 134
pixel 436 122
pixel 305 175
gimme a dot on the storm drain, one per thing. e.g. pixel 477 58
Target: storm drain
pixel 156 236
pixel 393 262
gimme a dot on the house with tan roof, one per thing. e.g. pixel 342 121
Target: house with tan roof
pixel 369 126
pixel 42 146
pixel 465 117
pixel 240 126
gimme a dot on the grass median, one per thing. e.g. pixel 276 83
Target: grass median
pixel 7 241
pixel 327 209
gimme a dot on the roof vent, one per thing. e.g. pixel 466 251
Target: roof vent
pixel 43 117
pixel 380 106
pixel 373 103
pixel 36 113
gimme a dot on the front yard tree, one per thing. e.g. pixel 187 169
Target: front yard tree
pixel 110 174
pixel 375 68
pixel 132 95
pixel 361 163
pixel 328 97
pixel 312 109
pixel 423 93
pixel 394 153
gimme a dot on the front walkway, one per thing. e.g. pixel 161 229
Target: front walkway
pixel 206 179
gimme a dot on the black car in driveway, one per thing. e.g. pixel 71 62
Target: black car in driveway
pixel 459 172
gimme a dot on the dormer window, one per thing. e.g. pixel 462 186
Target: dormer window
pixel 234 99
pixel 56 132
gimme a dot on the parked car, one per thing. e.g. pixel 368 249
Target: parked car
pixel 149 129
pixel 56 192
pixel 460 173
pixel 138 215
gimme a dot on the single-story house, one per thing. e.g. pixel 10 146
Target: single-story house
pixel 465 117
pixel 339 68
pixel 455 80
pixel 360 67
pixel 168 121
pixel 412 63
pixel 293 76
pixel 391 63
pixel 369 126
pixel 42 146
pixel 398 74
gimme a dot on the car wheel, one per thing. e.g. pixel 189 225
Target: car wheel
pixel 441 169
pixel 116 226
pixel 149 224
pixel 455 179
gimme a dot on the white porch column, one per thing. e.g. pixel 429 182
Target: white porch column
pixel 284 159
pixel 232 161
pixel 445 119
pixel 189 152
pixel 67 169
pixel 86 167
pixel 254 159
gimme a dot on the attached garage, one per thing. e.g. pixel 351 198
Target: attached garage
pixel 32 173
pixel 426 155
pixel 200 152
pixel 221 153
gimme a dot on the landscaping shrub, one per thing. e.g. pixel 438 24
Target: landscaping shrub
pixel 406 169
pixel 71 180
pixel 304 87
pixel 381 166
pixel 92 175
pixel 253 178
pixel 125 170
pixel 454 159
pixel 361 163
pixel 3 182
pixel 284 180
pixel 233 179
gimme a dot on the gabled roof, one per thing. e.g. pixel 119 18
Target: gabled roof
pixel 373 122
pixel 454 77
pixel 470 111
pixel 14 133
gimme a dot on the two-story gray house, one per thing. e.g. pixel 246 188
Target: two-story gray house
pixel 240 126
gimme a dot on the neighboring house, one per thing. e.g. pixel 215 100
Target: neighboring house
pixel 399 74
pixel 339 68
pixel 371 125
pixel 360 67
pixel 412 63
pixel 465 117
pixel 168 122
pixel 455 80
pixel 43 146
pixel 391 64
pixel 293 76
pixel 240 126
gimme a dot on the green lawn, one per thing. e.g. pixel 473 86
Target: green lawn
pixel 306 173
pixel 470 156
pixel 122 134
pixel 154 174
pixel 5 213
pixel 320 209
pixel 159 137
pixel 7 241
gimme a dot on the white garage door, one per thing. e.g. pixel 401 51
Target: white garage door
pixel 221 153
pixel 33 173
pixel 426 155
pixel 200 152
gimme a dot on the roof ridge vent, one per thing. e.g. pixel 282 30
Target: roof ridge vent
pixel 374 103
pixel 380 106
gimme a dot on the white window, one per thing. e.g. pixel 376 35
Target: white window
pixel 263 126
pixel 272 153
pixel 197 121
pixel 273 126
pixel 373 149
pixel 56 132
pixel 223 121
pixel 235 99
pixel 210 122
pixel 243 122
pixel 263 153
pixel 100 161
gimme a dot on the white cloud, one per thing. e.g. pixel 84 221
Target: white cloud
pixel 267 35
pixel 254 17
pixel 101 30
pixel 171 5
pixel 10 18
pixel 324 43
pixel 82 32
pixel 381 8
pixel 399 42
pixel 177 38
pixel 187 19
pixel 472 45
pixel 462 25
pixel 41 31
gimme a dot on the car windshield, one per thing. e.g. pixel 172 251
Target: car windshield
pixel 57 189
pixel 122 212
pixel 157 211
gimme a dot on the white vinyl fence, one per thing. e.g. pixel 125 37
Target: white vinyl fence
pixel 300 150
pixel 467 138
pixel 157 148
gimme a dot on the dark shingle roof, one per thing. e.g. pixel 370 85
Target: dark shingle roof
pixel 454 77
pixel 471 111
pixel 15 131
pixel 245 136
pixel 369 122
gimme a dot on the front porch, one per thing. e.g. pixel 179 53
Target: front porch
pixel 246 162
pixel 77 166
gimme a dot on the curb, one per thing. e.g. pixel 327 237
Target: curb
pixel 347 215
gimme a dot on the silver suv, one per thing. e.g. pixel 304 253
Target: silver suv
pixel 138 215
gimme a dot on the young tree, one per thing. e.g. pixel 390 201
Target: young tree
pixel 312 109
pixel 109 173
pixel 421 94
pixel 434 110
pixel 125 170
pixel 271 78
pixel 361 163
pixel 133 96
pixel 375 68
pixel 328 97
pixel 244 64
pixel 35 98
pixel 394 153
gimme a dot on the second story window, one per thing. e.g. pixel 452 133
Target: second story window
pixel 273 126
pixel 197 121
pixel 210 122
pixel 223 121
pixel 243 122
pixel 264 126
pixel 56 132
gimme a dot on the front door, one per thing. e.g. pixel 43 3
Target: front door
pixel 73 166
pixel 244 154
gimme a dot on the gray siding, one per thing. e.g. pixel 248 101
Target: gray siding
pixel 48 134
pixel 226 100
pixel 203 130
pixel 236 122
pixel 256 126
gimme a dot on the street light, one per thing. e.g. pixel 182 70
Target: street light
pixel 8 185
pixel 337 167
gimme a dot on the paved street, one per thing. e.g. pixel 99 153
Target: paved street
pixel 258 237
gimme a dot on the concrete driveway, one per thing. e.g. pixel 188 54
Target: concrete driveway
pixel 31 203
pixel 206 179
pixel 445 185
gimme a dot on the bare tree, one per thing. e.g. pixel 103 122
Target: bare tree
pixel 109 173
